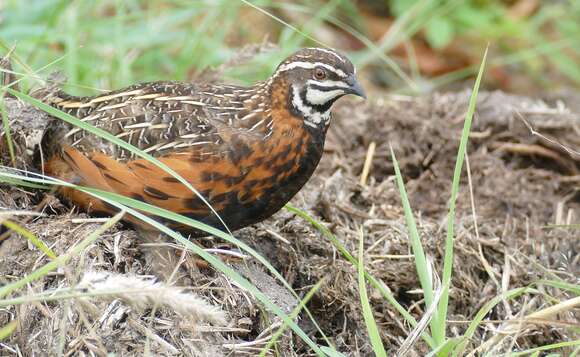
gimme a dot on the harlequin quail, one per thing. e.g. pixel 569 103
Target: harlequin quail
pixel 247 150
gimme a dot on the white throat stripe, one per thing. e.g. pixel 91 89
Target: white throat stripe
pixel 318 97
pixel 311 117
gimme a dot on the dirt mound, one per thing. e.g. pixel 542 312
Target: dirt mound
pixel 520 182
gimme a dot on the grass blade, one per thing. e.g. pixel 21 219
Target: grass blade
pixel 476 321
pixel 421 264
pixel 145 207
pixel 551 346
pixel 292 315
pixel 8 329
pixel 351 259
pixel 6 127
pixel 219 265
pixel 369 319
pixel 18 182
pixel 30 236
pixel 441 318
pixel 135 208
pixel 61 260
pixel 560 285
pixel 113 139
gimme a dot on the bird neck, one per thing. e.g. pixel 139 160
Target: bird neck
pixel 289 108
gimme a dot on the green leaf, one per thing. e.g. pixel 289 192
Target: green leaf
pixel 379 285
pixel 6 126
pixel 439 32
pixel 439 332
pixel 510 294
pixel 552 346
pixel 423 269
pixel 115 140
pixel 135 207
pixel 30 236
pixel 60 260
pixel 368 316
pixel 7 330
pixel 293 315
pixel 331 352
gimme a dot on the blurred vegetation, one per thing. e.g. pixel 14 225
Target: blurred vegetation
pixel 111 43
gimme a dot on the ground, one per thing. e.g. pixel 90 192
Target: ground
pixel 519 184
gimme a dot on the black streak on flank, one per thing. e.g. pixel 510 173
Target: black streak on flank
pixel 113 178
pixel 138 164
pixel 234 180
pixel 138 197
pixel 155 193
pixel 208 176
pixel 170 179
pixel 245 150
pixel 250 184
pixel 245 197
pixel 282 155
pixel 286 151
pixel 298 147
pixel 110 206
pixel 99 165
pixel 195 203
pixel 259 161
pixel 286 166
pixel 219 198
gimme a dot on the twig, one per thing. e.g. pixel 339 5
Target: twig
pixel 543 137
pixel 368 162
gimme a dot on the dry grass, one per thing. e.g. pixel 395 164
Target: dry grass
pixel 516 192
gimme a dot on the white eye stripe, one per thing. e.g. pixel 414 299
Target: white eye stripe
pixel 309 65
pixel 328 83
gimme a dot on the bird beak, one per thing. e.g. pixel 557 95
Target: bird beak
pixel 355 87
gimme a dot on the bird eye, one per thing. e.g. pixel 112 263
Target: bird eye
pixel 319 73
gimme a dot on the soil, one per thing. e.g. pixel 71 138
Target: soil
pixel 521 183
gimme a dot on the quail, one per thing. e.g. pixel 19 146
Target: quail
pixel 247 150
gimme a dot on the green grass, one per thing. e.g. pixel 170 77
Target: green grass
pixel 110 44
pixel 30 236
pixel 6 125
pixel 132 206
pixel 371 324
pixel 7 330
pixel 58 261
pixel 135 208
pixel 441 315
pixel 293 315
